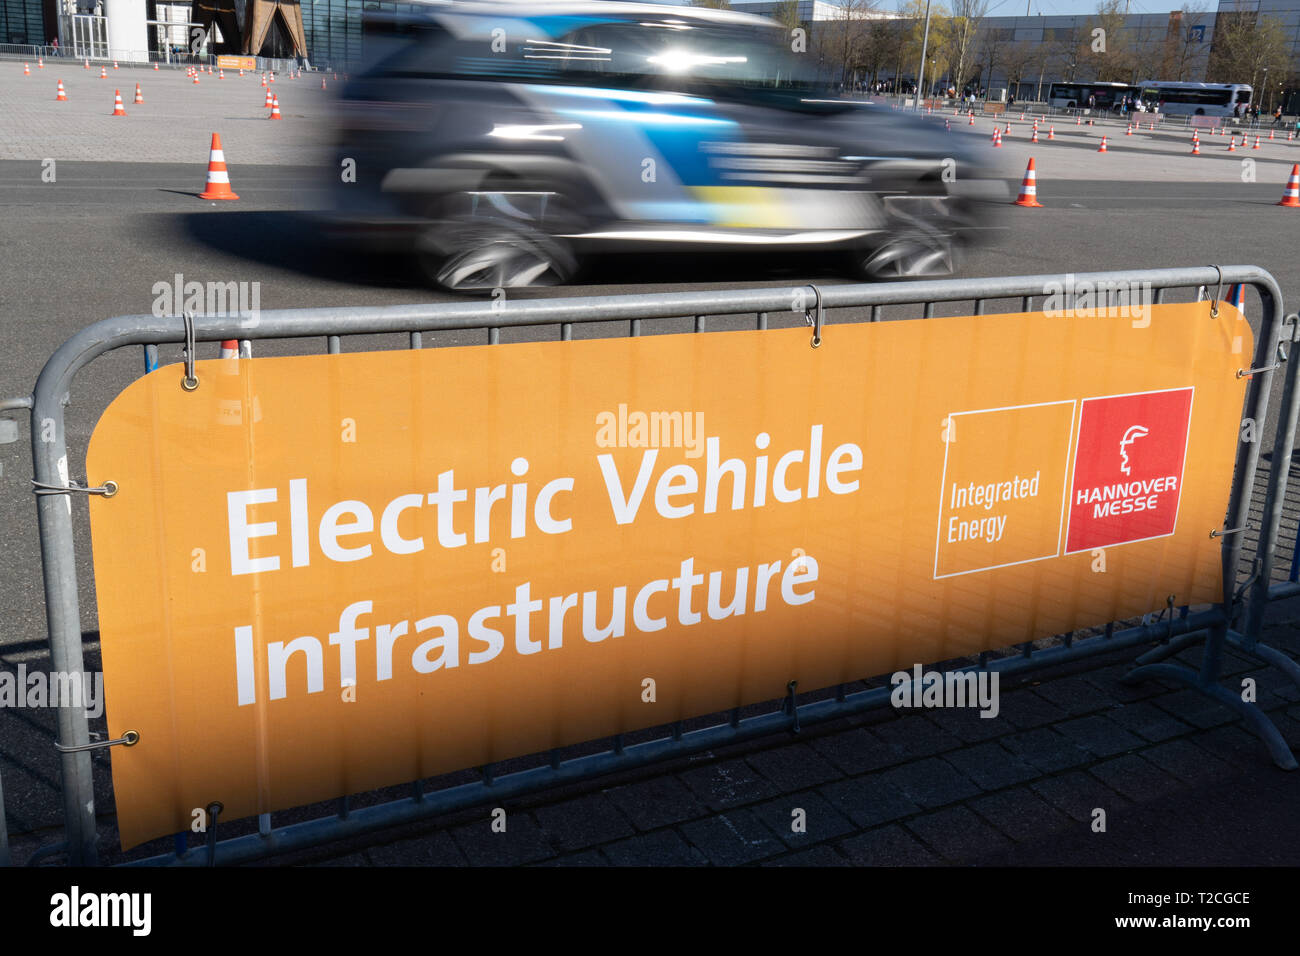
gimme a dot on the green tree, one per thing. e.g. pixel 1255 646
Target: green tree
pixel 1247 49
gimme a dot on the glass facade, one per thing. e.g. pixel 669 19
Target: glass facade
pixel 333 28
pixel 22 21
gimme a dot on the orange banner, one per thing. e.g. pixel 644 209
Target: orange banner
pixel 326 574
pixel 237 62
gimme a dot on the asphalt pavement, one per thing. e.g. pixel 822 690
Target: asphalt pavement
pixel 94 242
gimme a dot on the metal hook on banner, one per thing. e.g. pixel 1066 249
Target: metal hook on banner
pixel 189 382
pixel 791 707
pixel 1227 531
pixel 108 489
pixel 816 317
pixel 1214 303
pixel 214 811
pixel 128 739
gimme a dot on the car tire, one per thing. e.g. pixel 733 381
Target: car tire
pixel 465 253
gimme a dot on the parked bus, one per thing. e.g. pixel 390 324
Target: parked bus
pixel 1103 96
pixel 1196 99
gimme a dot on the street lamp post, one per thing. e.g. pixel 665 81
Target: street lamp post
pixel 920 70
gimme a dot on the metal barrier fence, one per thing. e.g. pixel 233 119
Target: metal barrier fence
pixel 145 58
pixel 1213 626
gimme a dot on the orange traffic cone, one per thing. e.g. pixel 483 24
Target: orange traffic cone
pixel 994 140
pixel 1129 131
pixel 1078 120
pixel 218 184
pixel 103 72
pixel 1291 194
pixel 117 104
pixel 1256 146
pixel 1034 138
pixel 1270 134
pixel 196 79
pixel 322 86
pixel 971 123
pixel 1008 129
pixel 40 64
pixel 1028 188
pixel 1102 147
pixel 221 74
pixel 241 72
pixel 87 65
pixel 155 67
pixel 115 64
pixel 275 108
pixel 139 97
pixel 267 104
pixel 1237 298
pixel 1196 147
pixel 1232 143
pixel 1051 132
pixel 61 96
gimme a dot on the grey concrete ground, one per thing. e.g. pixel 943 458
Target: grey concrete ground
pixel 1182 783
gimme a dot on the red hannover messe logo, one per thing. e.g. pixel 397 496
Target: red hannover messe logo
pixel 1128 468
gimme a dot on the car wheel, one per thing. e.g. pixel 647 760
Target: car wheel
pixel 909 257
pixel 510 241
pixel 474 254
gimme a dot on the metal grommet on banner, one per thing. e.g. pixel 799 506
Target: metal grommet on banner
pixel 1218 294
pixel 128 739
pixel 189 382
pixel 816 317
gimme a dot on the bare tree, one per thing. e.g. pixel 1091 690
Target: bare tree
pixel 844 37
pixel 787 14
pixel 962 31
pixel 1111 52
pixel 1017 60
pixel 1191 22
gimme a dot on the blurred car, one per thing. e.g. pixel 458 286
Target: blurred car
pixel 501 143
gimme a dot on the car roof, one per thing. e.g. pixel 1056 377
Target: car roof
pixel 600 9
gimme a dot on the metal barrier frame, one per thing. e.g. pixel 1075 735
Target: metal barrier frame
pixel 1212 626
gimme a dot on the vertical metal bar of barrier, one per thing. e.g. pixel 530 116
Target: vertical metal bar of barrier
pixel 1275 497
pixel 59 571
pixel 4 830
